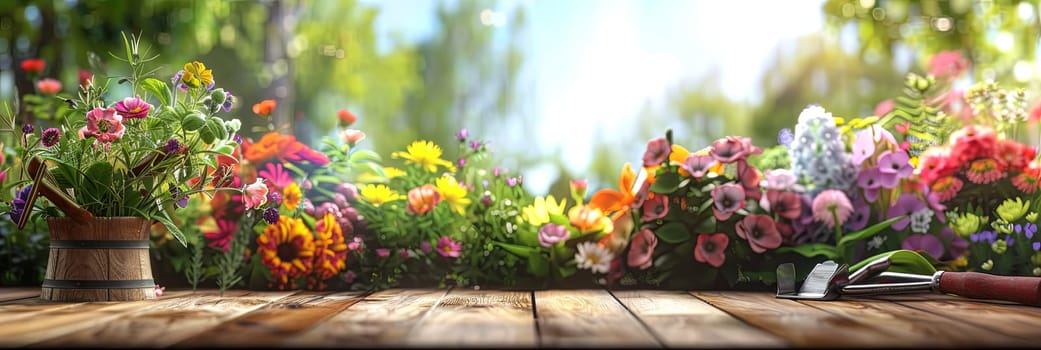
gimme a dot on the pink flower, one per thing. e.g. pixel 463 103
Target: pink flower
pixel 1014 156
pixel 732 148
pixel 277 175
pixel 948 64
pixel 785 204
pixel 403 253
pixel 448 248
pixel 831 207
pixel 133 107
pixel 884 108
pixel 655 208
pixel 641 250
pixel 727 199
pixel 657 152
pixel 352 136
pixel 355 244
pixel 984 171
pixel 946 188
pixel 578 188
pixel 550 234
pixel 48 86
pixel 924 243
pixel 1035 112
pixel 711 249
pixel 780 180
pixel 973 142
pixel 383 252
pixel 426 247
pixel 104 125
pixel 760 231
pixel 698 165
pixel 255 194
pixel 1027 181
pixel 221 239
pixel 159 290
pixel 749 177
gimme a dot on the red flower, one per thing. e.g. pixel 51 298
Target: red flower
pixel 760 231
pixel 85 77
pixel 1014 156
pixel 948 64
pixel 33 65
pixel 265 107
pixel 641 250
pixel 48 86
pixel 346 117
pixel 785 204
pixel 711 249
pixel 973 142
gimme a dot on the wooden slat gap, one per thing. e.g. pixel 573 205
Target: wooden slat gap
pixel 535 316
pixel 739 318
pixel 427 313
pixel 657 337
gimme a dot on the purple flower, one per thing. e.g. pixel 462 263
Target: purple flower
pixel 905 205
pixel 897 162
pixel 19 202
pixel 657 152
pixel 27 128
pixel 462 135
pixel 177 80
pixel 487 201
pixel 858 219
pixel 785 137
pixel 50 137
pixel 461 162
pixel 727 199
pixel 238 139
pixel 868 181
pixel 349 276
pixel 228 99
pixel 426 247
pixel 182 200
pixel 349 190
pixel 550 234
pixel 1037 246
pixel 475 145
pixel 133 108
pixel 958 246
pixel 1029 230
pixel 698 165
pixel 172 146
pixel 511 181
pixel 924 243
pixel 274 198
pixel 780 179
pixel 271 215
pixel 863 147
pixel 655 208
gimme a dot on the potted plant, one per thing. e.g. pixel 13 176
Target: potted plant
pixel 111 168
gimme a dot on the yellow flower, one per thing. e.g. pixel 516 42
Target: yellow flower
pixel 454 193
pixel 587 219
pixel 379 194
pixel 287 249
pixel 393 172
pixel 291 196
pixel 196 75
pixel 426 154
pixel 537 214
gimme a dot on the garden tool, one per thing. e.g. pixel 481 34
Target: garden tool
pixel 829 280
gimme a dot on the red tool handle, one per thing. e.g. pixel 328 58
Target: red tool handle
pixel 1023 290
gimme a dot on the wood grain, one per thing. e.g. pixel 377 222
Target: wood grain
pixel 274 322
pixel 485 318
pixel 7 294
pixel 799 324
pixel 682 321
pixel 98 264
pixel 60 321
pixel 1001 319
pixel 172 318
pixel 381 319
pixel 586 318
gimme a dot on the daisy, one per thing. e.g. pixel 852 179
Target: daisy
pixel 593 257
pixel 984 171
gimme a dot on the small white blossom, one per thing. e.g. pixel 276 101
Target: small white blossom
pixel 593 257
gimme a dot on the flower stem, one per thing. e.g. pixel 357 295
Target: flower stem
pixel 838 228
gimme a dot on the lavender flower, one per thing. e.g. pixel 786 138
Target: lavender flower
pixel 27 128
pixel 271 215
pixel 226 106
pixel 19 202
pixel 172 146
pixel 818 153
pixel 785 137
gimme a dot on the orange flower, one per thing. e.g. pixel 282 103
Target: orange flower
pixel 423 199
pixel 330 254
pixel 285 148
pixel 346 117
pixel 287 248
pixel 265 107
pixel 588 219
pixel 610 200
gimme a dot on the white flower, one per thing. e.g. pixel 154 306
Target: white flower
pixel 876 242
pixel 594 257
pixel 920 220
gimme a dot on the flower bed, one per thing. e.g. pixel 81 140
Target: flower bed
pixel 914 182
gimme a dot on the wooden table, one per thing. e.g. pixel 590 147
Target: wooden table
pixel 482 318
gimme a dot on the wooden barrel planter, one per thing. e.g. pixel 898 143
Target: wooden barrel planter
pixel 104 259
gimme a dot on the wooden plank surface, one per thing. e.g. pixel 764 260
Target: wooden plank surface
pixel 917 326
pixel 1001 319
pixel 588 318
pixel 485 318
pixel 803 326
pixel 381 319
pixel 176 316
pixel 682 321
pixel 7 294
pixel 273 322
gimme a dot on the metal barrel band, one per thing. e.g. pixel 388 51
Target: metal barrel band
pixel 95 284
pixel 99 244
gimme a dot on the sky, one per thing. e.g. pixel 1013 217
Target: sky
pixel 598 62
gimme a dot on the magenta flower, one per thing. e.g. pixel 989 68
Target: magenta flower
pixel 657 152
pixel 868 181
pixel 727 199
pixel 698 165
pixel 133 108
pixel 760 231
pixel 50 137
pixel 641 250
pixel 711 249
pixel 383 252
pixel 426 247
pixel 448 248
pixel 255 194
pixel 462 135
pixel 785 204
pixel 906 204
pixel 655 208
pixel 957 245
pixel 104 125
pixel 860 215
pixel 732 148
pixel 894 164
pixel 832 207
pixel 550 234
pixel 277 175
pixel 221 239
pixel 924 243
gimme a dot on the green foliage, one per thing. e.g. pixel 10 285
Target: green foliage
pixel 926 125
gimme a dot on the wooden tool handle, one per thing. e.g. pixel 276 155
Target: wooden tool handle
pixel 1023 290
pixel 55 194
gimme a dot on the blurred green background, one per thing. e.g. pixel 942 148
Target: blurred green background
pixel 562 89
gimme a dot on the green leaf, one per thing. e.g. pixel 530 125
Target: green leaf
pixel 673 232
pixel 906 261
pixel 568 270
pixel 666 183
pixel 164 218
pixel 193 121
pixel 559 219
pixel 538 264
pixel 216 126
pixel 811 250
pixel 520 251
pixel 159 89
pixel 845 244
pixel 365 156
